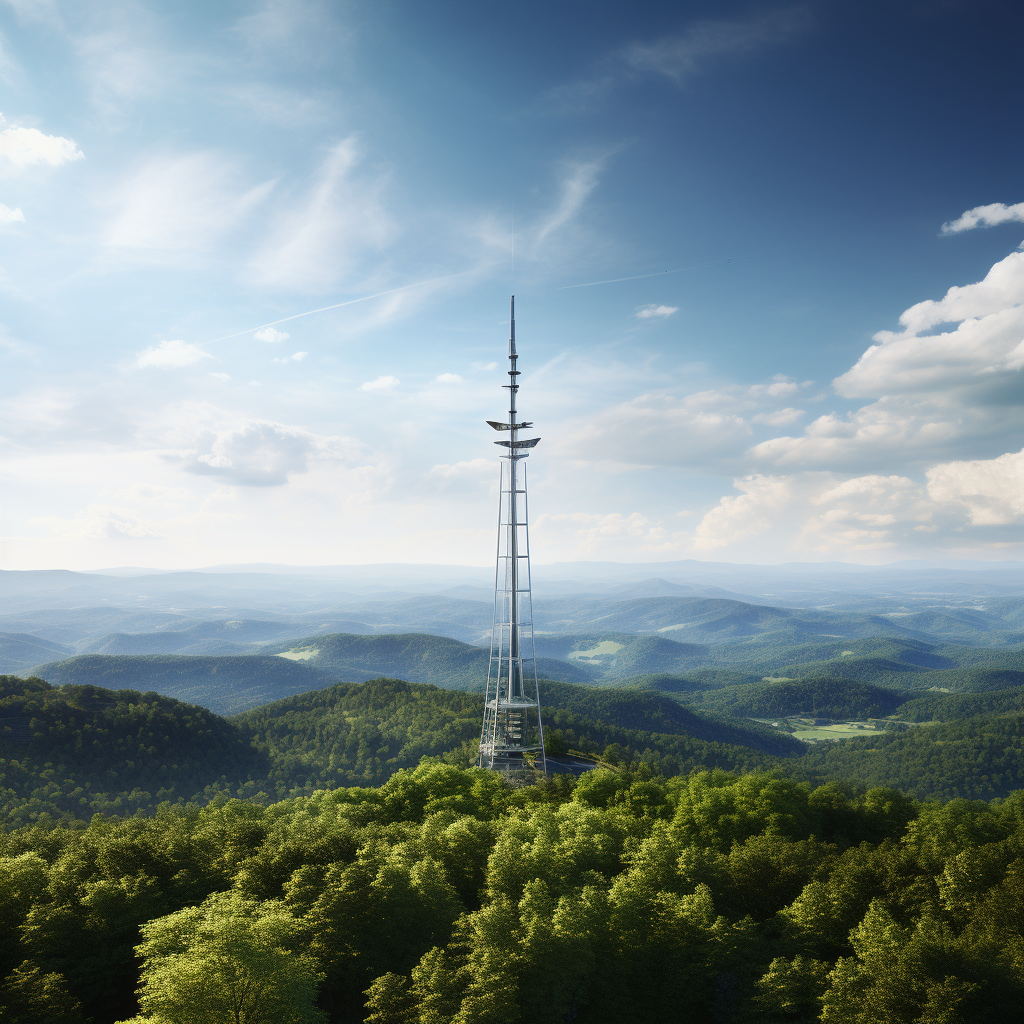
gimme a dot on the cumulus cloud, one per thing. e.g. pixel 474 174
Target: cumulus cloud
pixel 1001 289
pixel 380 384
pixel 8 216
pixel 25 147
pixel 937 392
pixel 171 354
pixel 991 490
pixel 738 517
pixel 778 516
pixel 779 418
pixel 269 334
pixel 653 311
pixel 448 378
pixel 295 357
pixel 985 216
pixel 693 430
pixel 261 454
pixel 873 513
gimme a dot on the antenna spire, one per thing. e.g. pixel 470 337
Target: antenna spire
pixel 512 734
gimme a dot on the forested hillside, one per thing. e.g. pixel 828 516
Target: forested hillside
pixel 225 684
pixel 977 757
pixel 824 698
pixel 445 896
pixel 73 751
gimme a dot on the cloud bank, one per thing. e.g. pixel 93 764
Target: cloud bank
pixel 25 147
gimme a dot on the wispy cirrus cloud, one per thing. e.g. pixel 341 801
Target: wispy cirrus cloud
pixel 684 55
pixel 578 180
pixel 688 54
pixel 321 236
pixel 180 204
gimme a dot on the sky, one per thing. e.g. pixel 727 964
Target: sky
pixel 256 258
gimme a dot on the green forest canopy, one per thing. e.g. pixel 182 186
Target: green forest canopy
pixel 444 895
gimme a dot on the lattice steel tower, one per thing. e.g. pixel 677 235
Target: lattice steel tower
pixel 512 736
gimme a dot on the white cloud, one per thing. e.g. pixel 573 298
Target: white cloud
pixel 8 216
pixel 39 11
pixel 653 311
pixel 295 357
pixel 579 179
pixel 775 517
pixel 170 354
pixel 261 454
pixel 683 56
pixel 25 147
pixel 320 239
pixel 985 216
pixel 485 366
pixel 468 476
pixel 448 378
pixel 269 334
pixel 938 394
pixel 181 204
pixel 699 429
pixel 991 490
pixel 736 518
pixel 221 376
pixel 100 522
pixel 1001 289
pixel 380 384
pixel 583 534
pixel 779 418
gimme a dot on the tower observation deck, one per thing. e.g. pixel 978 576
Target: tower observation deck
pixel 512 734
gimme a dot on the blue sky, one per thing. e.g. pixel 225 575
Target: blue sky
pixel 776 184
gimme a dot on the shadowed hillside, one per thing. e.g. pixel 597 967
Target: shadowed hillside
pixel 81 749
pixel 224 684
pixel 820 698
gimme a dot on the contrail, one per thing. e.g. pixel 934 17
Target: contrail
pixel 323 309
pixel 637 277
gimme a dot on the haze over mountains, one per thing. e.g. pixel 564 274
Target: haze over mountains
pixel 235 637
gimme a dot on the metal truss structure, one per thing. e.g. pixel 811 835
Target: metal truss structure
pixel 512 734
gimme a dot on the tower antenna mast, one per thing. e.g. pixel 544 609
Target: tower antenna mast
pixel 512 734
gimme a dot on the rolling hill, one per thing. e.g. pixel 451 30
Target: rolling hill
pixel 226 685
pixel 75 750
pixel 231 684
pixel 974 759
pixel 81 749
pixel 821 698
pixel 20 651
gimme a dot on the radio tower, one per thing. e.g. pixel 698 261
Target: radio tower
pixel 512 736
